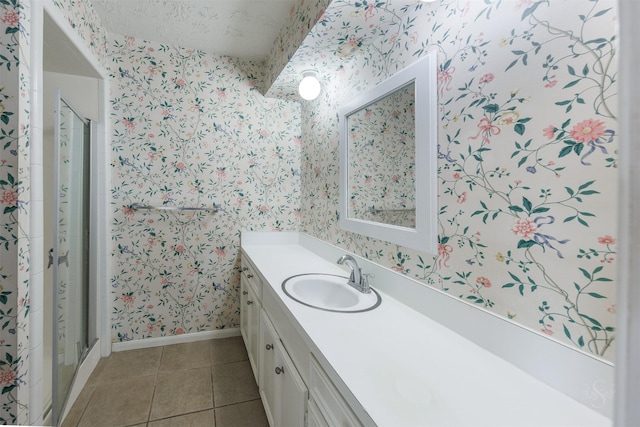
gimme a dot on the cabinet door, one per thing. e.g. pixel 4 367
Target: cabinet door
pixel 314 417
pixel 291 392
pixel 250 322
pixel 244 314
pixel 267 364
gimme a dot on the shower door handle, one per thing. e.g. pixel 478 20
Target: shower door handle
pixel 64 259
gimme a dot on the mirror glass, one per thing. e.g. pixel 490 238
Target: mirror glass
pixel 381 145
pixel 388 159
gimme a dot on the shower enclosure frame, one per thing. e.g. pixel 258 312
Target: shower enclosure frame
pixel 88 333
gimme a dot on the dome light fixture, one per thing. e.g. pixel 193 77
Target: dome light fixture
pixel 309 87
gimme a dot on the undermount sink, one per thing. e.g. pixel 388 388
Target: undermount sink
pixel 329 292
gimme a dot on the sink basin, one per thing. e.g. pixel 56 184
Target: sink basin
pixel 329 292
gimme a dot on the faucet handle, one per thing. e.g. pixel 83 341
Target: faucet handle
pixel 365 280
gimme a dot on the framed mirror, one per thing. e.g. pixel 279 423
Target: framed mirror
pixel 388 159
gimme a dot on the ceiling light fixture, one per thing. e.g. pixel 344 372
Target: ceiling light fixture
pixel 309 87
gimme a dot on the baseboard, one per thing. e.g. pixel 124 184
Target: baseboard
pixel 175 339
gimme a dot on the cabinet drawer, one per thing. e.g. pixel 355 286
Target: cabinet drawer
pixel 330 403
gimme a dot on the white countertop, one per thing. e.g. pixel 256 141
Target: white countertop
pixel 407 370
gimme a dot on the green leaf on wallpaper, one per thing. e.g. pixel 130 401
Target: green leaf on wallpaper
pixel 540 209
pixel 585 185
pixel 511 65
pixel 602 12
pixel 595 295
pixel 530 10
pixel 581 341
pixel 527 204
pixel 566 332
pixel 526 243
pixel 491 108
pixel 585 273
pixel 516 208
pixel 591 319
pixel 519 128
pixel 565 150
pixel 522 160
pixel 563 103
pixel 570 84
pixel 585 70
pixel 571 70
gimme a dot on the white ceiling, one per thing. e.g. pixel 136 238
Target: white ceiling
pixel 239 28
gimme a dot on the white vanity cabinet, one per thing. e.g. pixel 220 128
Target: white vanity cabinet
pixel 250 291
pixel 294 388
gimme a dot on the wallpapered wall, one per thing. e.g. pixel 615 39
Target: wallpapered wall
pixel 526 153
pixel 15 195
pixel 14 211
pixel 191 129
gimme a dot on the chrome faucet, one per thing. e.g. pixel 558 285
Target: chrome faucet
pixel 357 279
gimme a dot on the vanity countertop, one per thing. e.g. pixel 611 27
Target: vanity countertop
pixel 405 369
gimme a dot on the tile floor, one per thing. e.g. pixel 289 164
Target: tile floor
pixel 204 383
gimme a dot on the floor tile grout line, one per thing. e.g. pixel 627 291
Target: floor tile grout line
pixel 238 403
pixel 155 383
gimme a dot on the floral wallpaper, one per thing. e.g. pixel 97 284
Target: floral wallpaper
pixel 303 16
pixel 191 129
pixel 14 211
pixel 381 172
pixel 82 17
pixel 526 152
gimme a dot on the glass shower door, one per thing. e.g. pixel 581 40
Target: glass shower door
pixel 70 254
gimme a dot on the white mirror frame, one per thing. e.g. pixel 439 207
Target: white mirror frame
pixel 424 236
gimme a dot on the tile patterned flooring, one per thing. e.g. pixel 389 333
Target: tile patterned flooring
pixel 204 383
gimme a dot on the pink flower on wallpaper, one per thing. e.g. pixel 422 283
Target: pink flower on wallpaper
pixel 463 197
pixel 8 377
pixel 444 79
pixel 547 331
pixel 129 124
pixel 588 130
pixel 549 132
pixel 487 78
pixel 370 12
pixel 606 240
pixel 444 254
pixel 179 331
pixel 180 83
pixel 456 176
pixel 525 228
pixel 128 300
pixel 180 166
pixel 483 281
pixel 128 212
pixel 180 249
pixel 551 84
pixel 11 19
pixel 9 197
pixel 221 252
